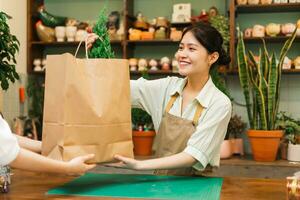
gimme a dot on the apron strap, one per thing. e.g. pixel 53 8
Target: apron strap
pixel 171 102
pixel 198 111
pixel 197 114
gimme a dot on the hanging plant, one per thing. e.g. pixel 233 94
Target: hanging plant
pixel 9 46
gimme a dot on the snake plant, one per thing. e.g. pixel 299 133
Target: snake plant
pixel 260 82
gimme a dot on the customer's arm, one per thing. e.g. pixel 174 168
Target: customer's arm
pixel 32 145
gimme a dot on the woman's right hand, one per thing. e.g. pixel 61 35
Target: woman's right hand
pixel 79 166
pixel 91 38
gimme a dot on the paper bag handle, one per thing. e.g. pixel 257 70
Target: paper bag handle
pixel 85 41
pixel 86 50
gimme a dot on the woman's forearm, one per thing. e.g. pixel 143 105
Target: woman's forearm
pixel 32 145
pixel 28 160
pixel 180 160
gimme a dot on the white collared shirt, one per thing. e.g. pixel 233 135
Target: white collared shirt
pixel 204 145
pixel 9 147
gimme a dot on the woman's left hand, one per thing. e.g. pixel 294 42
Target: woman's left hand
pixel 125 162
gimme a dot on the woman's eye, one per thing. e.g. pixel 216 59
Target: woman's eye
pixel 192 49
pixel 180 48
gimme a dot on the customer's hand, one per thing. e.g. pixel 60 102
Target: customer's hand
pixel 78 165
pixel 91 38
pixel 125 162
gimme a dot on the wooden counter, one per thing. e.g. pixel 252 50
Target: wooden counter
pixel 33 186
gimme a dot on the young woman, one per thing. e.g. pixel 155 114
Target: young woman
pixel 190 114
pixel 24 157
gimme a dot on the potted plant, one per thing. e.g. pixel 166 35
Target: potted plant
pixel 143 133
pixel 233 143
pixel 290 145
pixel 261 86
pixel 9 47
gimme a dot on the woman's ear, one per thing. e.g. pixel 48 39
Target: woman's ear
pixel 213 57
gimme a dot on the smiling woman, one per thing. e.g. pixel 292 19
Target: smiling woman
pixel 190 115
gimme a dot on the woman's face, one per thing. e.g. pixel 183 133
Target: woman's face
pixel 192 57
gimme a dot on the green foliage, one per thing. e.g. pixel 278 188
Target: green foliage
pixel 236 127
pixel 140 117
pixel 101 48
pixel 9 46
pixel 35 91
pixel 221 23
pixel 290 126
pixel 219 82
pixel 263 81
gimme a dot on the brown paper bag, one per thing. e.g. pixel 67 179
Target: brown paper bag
pixel 86 108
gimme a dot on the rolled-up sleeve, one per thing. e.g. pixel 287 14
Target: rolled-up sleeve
pixel 9 147
pixel 149 94
pixel 204 145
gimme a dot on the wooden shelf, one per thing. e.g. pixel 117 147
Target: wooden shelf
pixel 277 39
pixel 283 7
pixel 284 71
pixel 65 43
pixel 182 24
pixel 158 72
pixel 163 41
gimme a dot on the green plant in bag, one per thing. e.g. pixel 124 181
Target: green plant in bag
pixel 101 48
pixel 261 83
pixel 9 46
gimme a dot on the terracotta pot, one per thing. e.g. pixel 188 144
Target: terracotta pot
pixel 225 151
pixel 264 144
pixel 237 146
pixel 142 142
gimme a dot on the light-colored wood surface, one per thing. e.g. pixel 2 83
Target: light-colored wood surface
pixel 27 185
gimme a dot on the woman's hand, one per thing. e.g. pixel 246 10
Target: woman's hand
pixel 78 165
pixel 125 162
pixel 91 38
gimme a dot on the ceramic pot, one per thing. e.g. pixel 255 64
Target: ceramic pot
pixel 297 62
pixel 248 32
pixel 70 33
pixel 293 152
pixel 241 2
pixel 225 151
pixel 258 31
pixel 266 1
pixel 80 35
pixel 264 144
pixel 273 29
pixel 142 142
pixel 288 28
pixel 60 33
pixel 253 2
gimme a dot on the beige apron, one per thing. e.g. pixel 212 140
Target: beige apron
pixel 173 135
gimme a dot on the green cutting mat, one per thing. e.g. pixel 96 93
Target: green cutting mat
pixel 142 186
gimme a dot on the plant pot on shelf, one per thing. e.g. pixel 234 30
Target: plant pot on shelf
pixel 226 151
pixel 237 146
pixel 264 144
pixel 142 142
pixel 293 152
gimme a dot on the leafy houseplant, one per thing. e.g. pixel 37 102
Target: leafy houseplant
pixel 290 145
pixel 261 83
pixel 9 46
pixel 233 143
pixel 143 133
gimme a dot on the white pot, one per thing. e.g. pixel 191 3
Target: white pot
pixel 293 152
pixel 60 33
pixel 70 33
